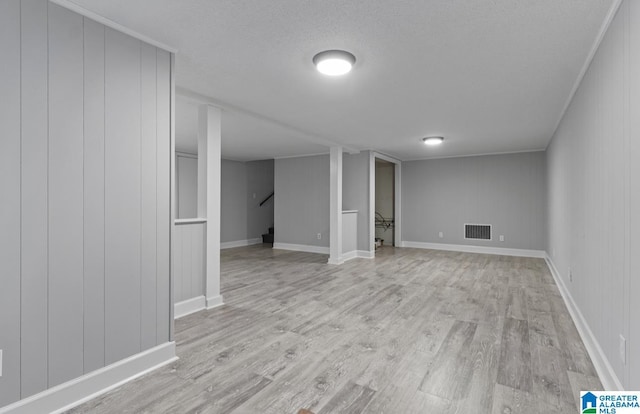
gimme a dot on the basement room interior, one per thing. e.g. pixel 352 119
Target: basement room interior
pixel 355 206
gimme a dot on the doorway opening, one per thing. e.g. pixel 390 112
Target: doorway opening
pixel 385 204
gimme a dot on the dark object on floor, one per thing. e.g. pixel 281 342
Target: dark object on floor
pixel 268 238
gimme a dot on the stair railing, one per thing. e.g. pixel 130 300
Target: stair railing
pixel 267 199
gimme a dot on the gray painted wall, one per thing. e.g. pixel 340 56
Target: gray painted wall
pixel 84 178
pixel 507 191
pixel 187 186
pixel 233 201
pixel 302 200
pixel 594 194
pixel 355 192
pixel 259 182
pixel 244 186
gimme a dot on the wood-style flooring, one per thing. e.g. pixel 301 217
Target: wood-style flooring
pixel 412 331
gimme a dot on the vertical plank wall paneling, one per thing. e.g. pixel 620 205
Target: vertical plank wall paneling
pixel 148 219
pixel 633 155
pixel 589 209
pixel 188 261
pixel 198 275
pixel 10 205
pixel 163 182
pixel 187 249
pixel 66 229
pixel 85 216
pixel 93 195
pixel 176 263
pixel 33 361
pixel 122 195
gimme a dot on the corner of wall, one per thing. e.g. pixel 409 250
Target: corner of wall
pixel 600 361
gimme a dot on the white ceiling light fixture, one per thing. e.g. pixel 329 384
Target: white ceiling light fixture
pixel 334 62
pixel 432 141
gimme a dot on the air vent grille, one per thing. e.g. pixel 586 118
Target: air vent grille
pixel 477 231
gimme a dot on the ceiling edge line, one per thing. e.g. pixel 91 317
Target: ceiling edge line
pixel 70 5
pixel 476 155
pixel 196 97
pixel 386 156
pixel 284 157
pixel 587 63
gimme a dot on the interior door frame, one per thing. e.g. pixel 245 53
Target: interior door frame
pixel 397 229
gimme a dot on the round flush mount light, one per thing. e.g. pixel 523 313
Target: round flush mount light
pixel 432 141
pixel 334 62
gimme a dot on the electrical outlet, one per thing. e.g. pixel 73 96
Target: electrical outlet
pixel 570 275
pixel 623 349
pixel 254 195
pixel 501 237
pixel 319 236
pixel 0 362
pixel 441 234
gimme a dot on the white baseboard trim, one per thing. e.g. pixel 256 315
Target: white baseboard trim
pixel 604 369
pixel 349 255
pixel 214 302
pixel 301 248
pixel 82 389
pixel 239 243
pixel 357 254
pixel 354 254
pixel 476 249
pixel 366 254
pixel 189 306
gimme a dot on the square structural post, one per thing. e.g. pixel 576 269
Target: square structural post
pixel 335 205
pixel 209 172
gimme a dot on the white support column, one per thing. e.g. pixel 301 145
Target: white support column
pixel 335 205
pixel 201 207
pixel 209 162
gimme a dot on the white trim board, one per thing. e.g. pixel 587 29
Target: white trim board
pixel 186 155
pixel 476 249
pixel 316 154
pixel 386 157
pixel 585 67
pixel 79 390
pixel 604 369
pixel 189 306
pixel 356 254
pixel 240 243
pixel 346 256
pixel 67 4
pixel 365 254
pixel 397 195
pixel 480 154
pixel 214 302
pixel 301 248
pixel 180 222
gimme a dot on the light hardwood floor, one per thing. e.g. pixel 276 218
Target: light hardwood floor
pixel 412 331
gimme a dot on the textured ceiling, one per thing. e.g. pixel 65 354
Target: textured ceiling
pixel 242 136
pixel 491 76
